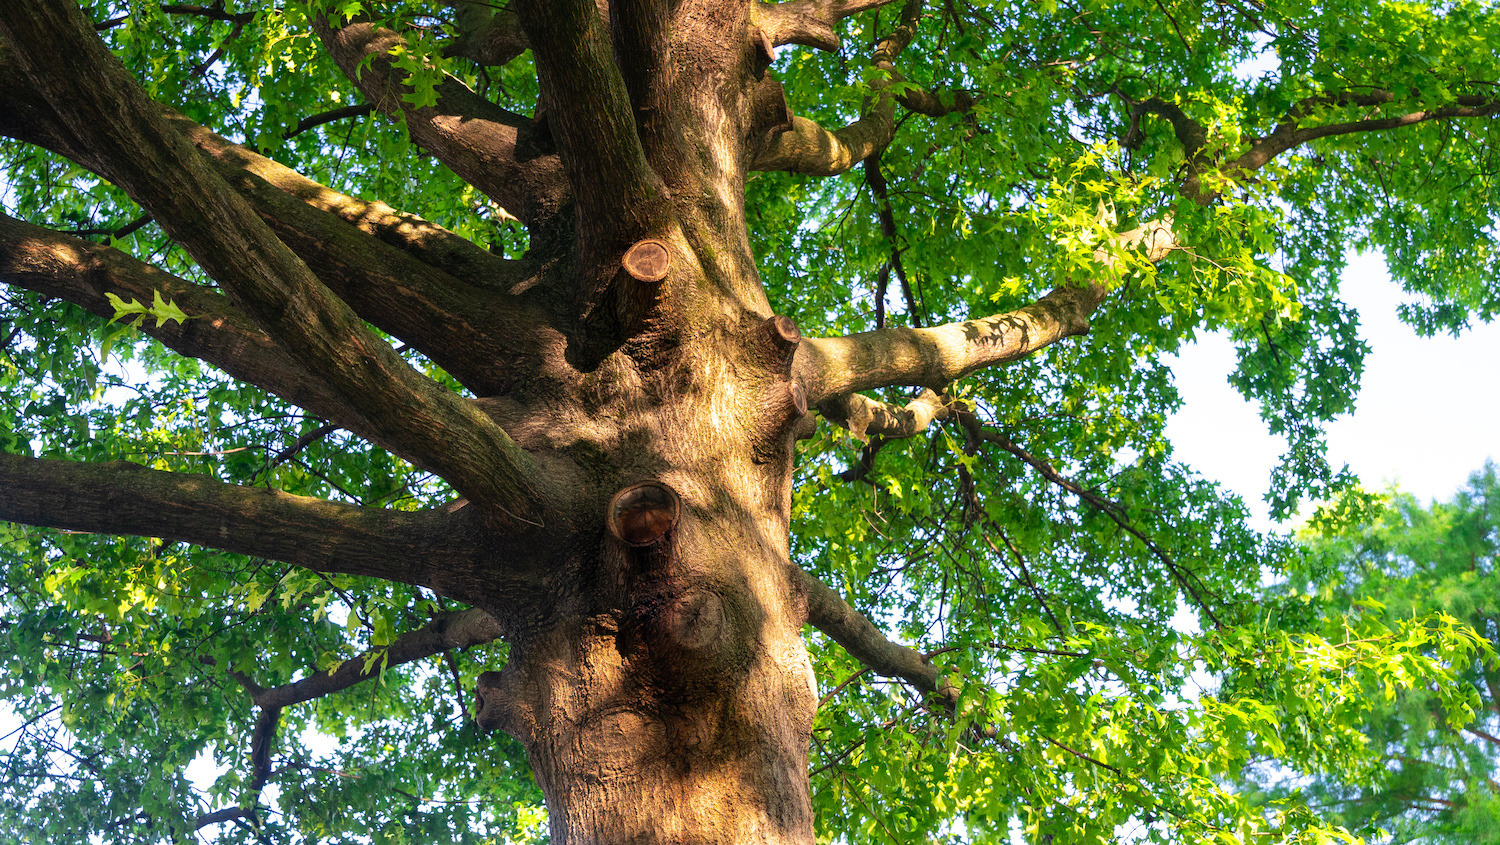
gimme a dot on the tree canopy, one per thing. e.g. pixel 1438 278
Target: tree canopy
pixel 359 356
pixel 1435 778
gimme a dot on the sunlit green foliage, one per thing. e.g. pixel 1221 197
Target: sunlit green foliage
pixel 1433 751
pixel 1118 669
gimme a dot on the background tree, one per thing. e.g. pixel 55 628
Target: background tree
pixel 1436 773
pixel 549 425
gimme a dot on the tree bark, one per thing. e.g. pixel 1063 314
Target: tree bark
pixel 626 453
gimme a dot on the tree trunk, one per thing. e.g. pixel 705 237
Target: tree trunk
pixel 664 694
pixel 626 454
pixel 683 717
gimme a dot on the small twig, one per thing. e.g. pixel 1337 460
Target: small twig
pixel 840 688
pixel 224 815
pixel 1175 28
pixel 213 12
pixel 1082 756
pixel 1025 576
pixel 1108 508
pixel 878 185
pixel 306 123
pixel 306 440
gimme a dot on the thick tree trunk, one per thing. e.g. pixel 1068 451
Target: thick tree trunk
pixel 666 696
pixel 662 690
pixel 683 719
pixel 627 461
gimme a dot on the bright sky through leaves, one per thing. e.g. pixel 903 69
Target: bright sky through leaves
pixel 1426 415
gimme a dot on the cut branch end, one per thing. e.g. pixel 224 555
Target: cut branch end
pixel 642 514
pixel 647 261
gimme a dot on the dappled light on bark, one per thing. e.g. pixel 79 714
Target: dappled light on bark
pixel 634 450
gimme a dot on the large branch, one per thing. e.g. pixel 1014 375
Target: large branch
pixel 124 498
pixel 423 240
pixel 808 22
pixel 933 357
pixel 485 35
pixel 81 272
pixel 811 149
pixel 107 110
pixel 475 334
pixel 642 41
pixel 497 151
pixel 429 287
pixel 587 105
pixel 25 116
pixel 829 613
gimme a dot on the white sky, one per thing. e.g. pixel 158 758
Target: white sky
pixel 1428 412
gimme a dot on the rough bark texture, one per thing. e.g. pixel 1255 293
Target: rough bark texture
pixel 626 457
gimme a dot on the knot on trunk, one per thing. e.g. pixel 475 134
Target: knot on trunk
pixel 701 637
pixel 782 409
pixel 774 343
pixel 647 261
pixel 493 712
pixel 694 621
pixel 642 514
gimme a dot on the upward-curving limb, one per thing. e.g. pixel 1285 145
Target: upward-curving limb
pixel 501 153
pixel 833 367
pixel 109 113
pixel 808 148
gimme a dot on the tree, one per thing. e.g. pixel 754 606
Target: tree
pixel 1436 778
pixel 545 434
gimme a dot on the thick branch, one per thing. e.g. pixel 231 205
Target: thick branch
pixel 866 417
pixel 25 116
pixel 99 101
pixel 934 357
pixel 934 103
pixel 486 36
pixel 405 275
pixel 82 273
pixel 228 814
pixel 846 626
pixel 808 22
pixel 643 51
pixel 494 150
pixel 469 332
pixel 125 498
pixel 425 241
pixel 811 149
pixel 588 107
pixel 1191 134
